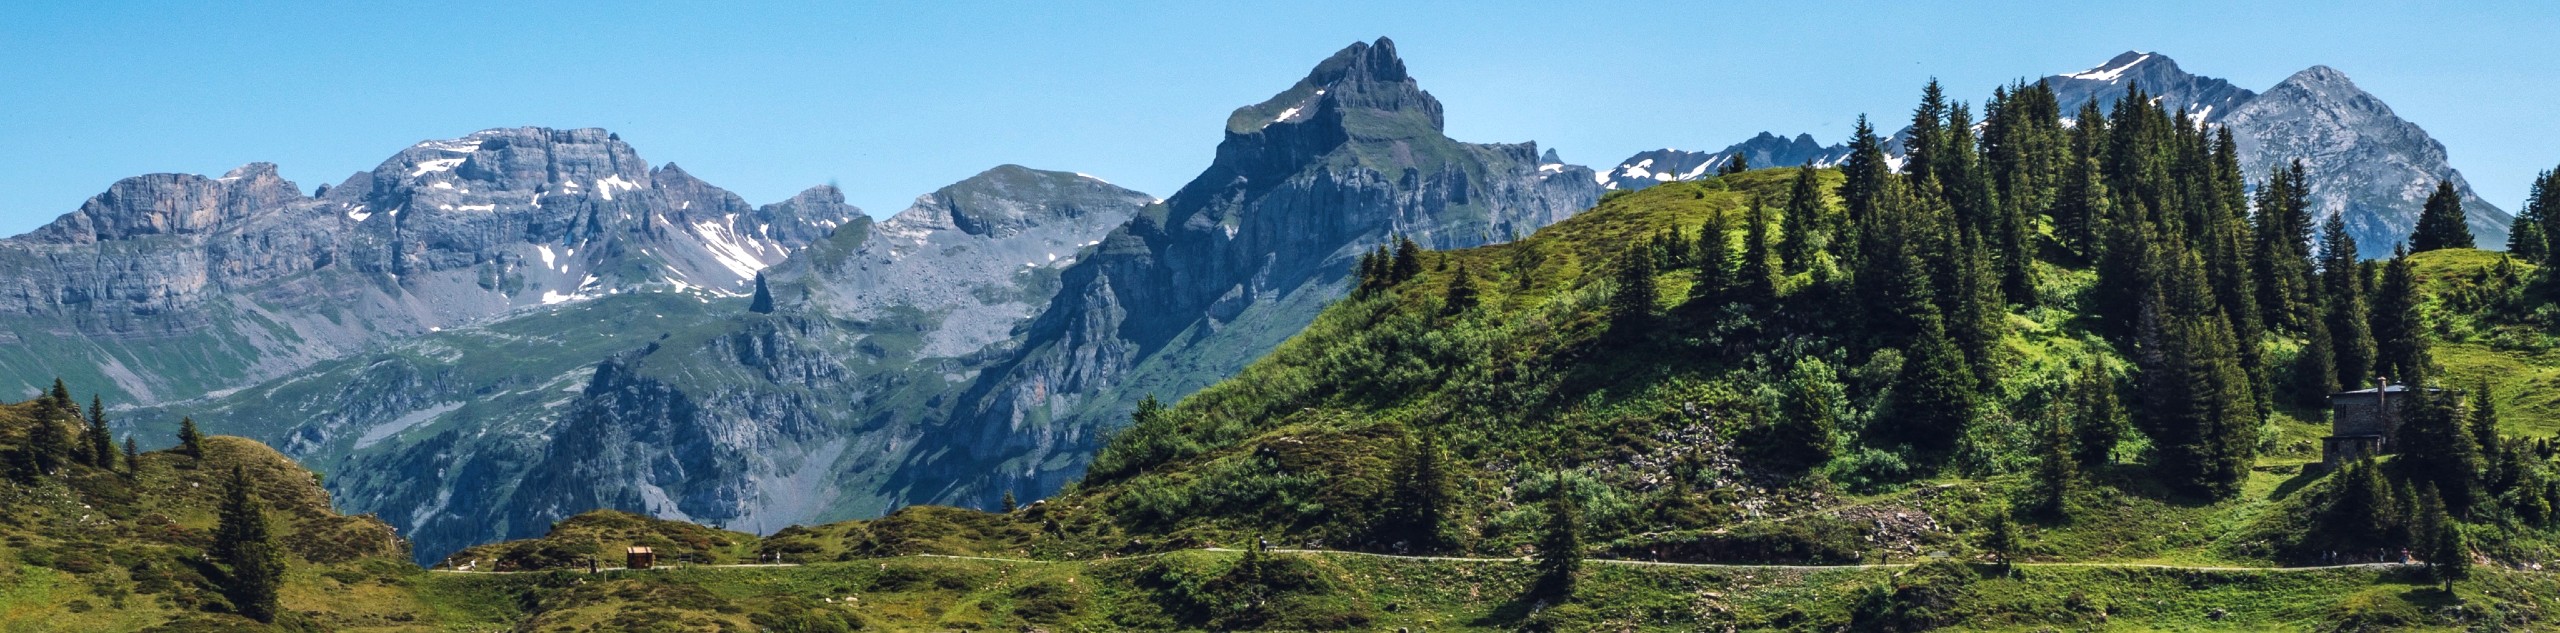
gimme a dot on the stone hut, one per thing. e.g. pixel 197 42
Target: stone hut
pixel 2364 423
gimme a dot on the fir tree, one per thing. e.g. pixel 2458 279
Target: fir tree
pixel 252 564
pixel 1810 404
pixel 2000 538
pixel 2436 452
pixel 2342 290
pixel 2083 204
pixel 2360 512
pixel 1715 262
pixel 2195 400
pixel 1740 163
pixel 2315 368
pixel 763 303
pixel 2440 539
pixel 1008 502
pixel 1934 397
pixel 2400 339
pixel 2440 225
pixel 1927 143
pixel 2100 423
pixel 1423 494
pixel 48 447
pixel 190 441
pixel 1759 282
pixel 2283 266
pixel 2057 469
pixel 132 456
pixel 1803 222
pixel 2525 239
pixel 2481 416
pixel 102 443
pixel 1560 544
pixel 1408 261
pixel 2542 207
pixel 1631 304
pixel 1862 191
pixel 1461 296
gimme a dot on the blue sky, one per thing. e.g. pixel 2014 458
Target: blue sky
pixel 893 100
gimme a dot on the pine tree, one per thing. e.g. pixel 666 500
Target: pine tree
pixel 2100 414
pixel 2283 266
pixel 1740 163
pixel 2441 225
pixel 1803 222
pixel 1631 304
pixel 1927 143
pixel 2525 239
pixel 2481 417
pixel 1759 283
pixel 1560 544
pixel 1424 493
pixel 102 443
pixel 1715 262
pixel 243 544
pixel 2436 452
pixel 2000 538
pixel 2544 204
pixel 1934 397
pixel 2057 469
pixel 190 442
pixel 1862 191
pixel 2360 512
pixel 2342 289
pixel 2083 204
pixel 2315 368
pixel 48 447
pixel 2195 401
pixel 1408 262
pixel 763 303
pixel 2400 339
pixel 1461 296
pixel 2440 539
pixel 1810 404
pixel 132 456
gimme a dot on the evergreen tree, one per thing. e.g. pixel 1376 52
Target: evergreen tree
pixel 132 456
pixel 102 443
pixel 1424 493
pixel 2315 368
pixel 2195 399
pixel 1740 163
pixel 1977 319
pixel 1631 304
pixel 1560 544
pixel 1862 191
pixel 252 564
pixel 1810 404
pixel 1759 281
pixel 2440 225
pixel 1927 143
pixel 1461 296
pixel 2360 512
pixel 1803 222
pixel 2481 417
pixel 1008 503
pixel 2440 539
pixel 1408 262
pixel 2528 239
pixel 2283 267
pixel 1934 397
pixel 2001 538
pixel 2057 468
pixel 2342 289
pixel 190 442
pixel 2083 204
pixel 48 447
pixel 763 302
pixel 1715 262
pixel 2436 452
pixel 2400 339
pixel 2100 423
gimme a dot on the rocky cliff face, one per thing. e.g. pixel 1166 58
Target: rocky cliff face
pixel 687 405
pixel 1303 183
pixel 251 279
pixel 2365 162
pixel 1646 169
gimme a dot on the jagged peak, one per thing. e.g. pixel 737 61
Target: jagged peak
pixel 252 171
pixel 1362 76
pixel 2116 67
pixel 2320 75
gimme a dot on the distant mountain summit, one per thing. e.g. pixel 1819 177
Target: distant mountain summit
pixel 1646 169
pixel 173 285
pixel 2365 163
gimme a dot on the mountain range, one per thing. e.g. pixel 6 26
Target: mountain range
pixel 2364 162
pixel 488 334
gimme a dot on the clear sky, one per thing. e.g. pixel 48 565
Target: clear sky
pixel 892 100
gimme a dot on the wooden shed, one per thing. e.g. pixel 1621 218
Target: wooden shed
pixel 639 558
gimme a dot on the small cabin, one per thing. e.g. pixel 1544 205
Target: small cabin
pixel 639 558
pixel 2365 423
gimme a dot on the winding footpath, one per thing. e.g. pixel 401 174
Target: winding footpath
pixel 1593 561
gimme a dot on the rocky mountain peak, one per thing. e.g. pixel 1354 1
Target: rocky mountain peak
pixel 1361 90
pixel 163 204
pixel 1008 200
pixel 2157 75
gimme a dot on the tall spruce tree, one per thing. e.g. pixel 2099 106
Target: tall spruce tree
pixel 2099 417
pixel 1461 295
pixel 190 441
pixel 1631 304
pixel 2315 368
pixel 1759 281
pixel 244 545
pixel 1934 397
pixel 1926 145
pixel 2436 452
pixel 2345 309
pixel 2083 204
pixel 2440 224
pixel 1862 191
pixel 1560 544
pixel 2525 238
pixel 48 446
pixel 1741 163
pixel 1803 221
pixel 2283 267
pixel 2057 469
pixel 1715 262
pixel 2400 339
pixel 2195 399
pixel 1408 261
pixel 1424 492
pixel 102 442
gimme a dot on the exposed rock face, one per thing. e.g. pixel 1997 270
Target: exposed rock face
pixel 1646 169
pixel 1303 183
pixel 688 406
pixel 2364 162
pixel 253 279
